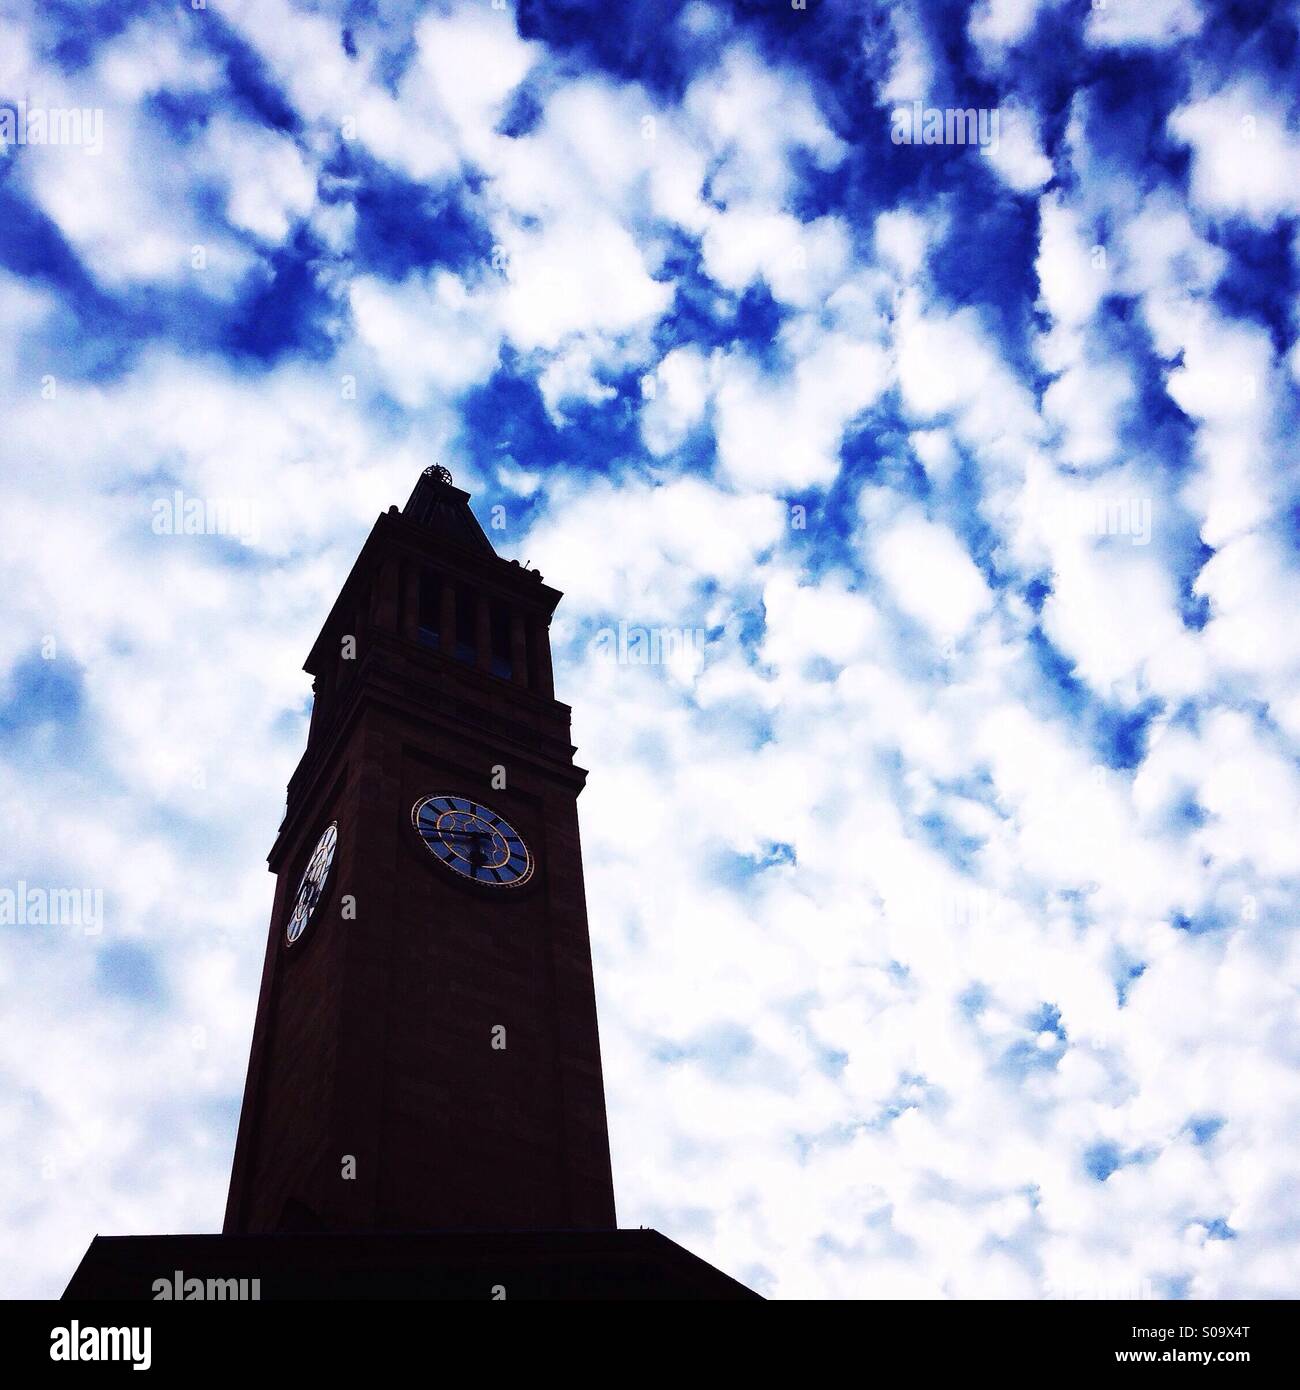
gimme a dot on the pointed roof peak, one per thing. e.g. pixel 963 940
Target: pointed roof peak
pixel 439 506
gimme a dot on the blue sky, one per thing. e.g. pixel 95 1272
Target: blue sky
pixel 943 879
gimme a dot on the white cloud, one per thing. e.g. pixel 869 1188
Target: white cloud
pixel 120 210
pixel 1114 612
pixel 1017 153
pixel 426 335
pixel 473 59
pixel 800 261
pixel 1225 382
pixel 1252 587
pixel 269 183
pixel 911 72
pixel 1070 280
pixel 682 386
pixel 901 238
pixel 571 376
pixel 735 106
pixel 783 432
pixel 947 367
pixel 685 528
pixel 573 278
pixel 930 576
pixel 1085 402
pixel 1245 160
pixel 1152 24
pixel 893 867
pixel 998 23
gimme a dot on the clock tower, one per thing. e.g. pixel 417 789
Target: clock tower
pixel 424 1113
pixel 425 1054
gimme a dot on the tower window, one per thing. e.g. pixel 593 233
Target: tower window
pixel 502 664
pixel 465 643
pixel 430 608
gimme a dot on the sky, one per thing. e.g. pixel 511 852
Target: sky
pixel 916 383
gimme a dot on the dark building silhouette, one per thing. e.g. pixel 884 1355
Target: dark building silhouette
pixel 438 1043
pixel 424 1111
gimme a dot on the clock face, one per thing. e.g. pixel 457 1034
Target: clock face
pixel 311 888
pixel 472 840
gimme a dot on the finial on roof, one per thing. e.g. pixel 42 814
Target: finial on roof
pixel 435 504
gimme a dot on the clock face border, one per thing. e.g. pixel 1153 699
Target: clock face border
pixel 323 874
pixel 494 823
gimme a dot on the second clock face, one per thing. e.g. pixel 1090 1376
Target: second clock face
pixel 470 839
pixel 311 887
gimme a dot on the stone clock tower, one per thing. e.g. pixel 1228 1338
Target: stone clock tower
pixel 424 1114
pixel 425 1054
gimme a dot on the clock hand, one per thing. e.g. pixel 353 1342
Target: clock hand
pixel 476 838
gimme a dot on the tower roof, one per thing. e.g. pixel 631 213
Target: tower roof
pixel 437 528
pixel 444 510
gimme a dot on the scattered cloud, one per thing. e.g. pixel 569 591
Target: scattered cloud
pixel 943 894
